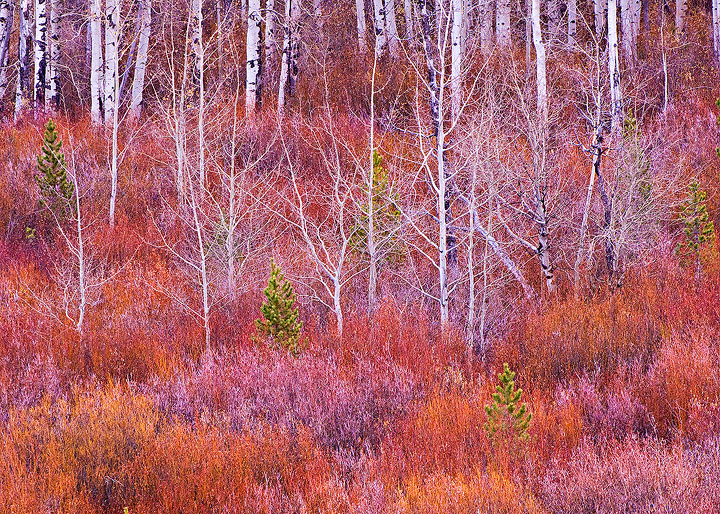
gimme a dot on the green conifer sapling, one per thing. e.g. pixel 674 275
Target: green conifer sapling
pixel 505 412
pixel 56 189
pixel 699 230
pixel 280 322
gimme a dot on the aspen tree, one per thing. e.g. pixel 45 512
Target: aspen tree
pixel 380 22
pixel 360 23
pixel 614 66
pixel 253 64
pixel 503 35
pixel 6 24
pixel 486 26
pixel 39 52
pixel 24 82
pixel 136 97
pixel 291 52
pixel 52 95
pixel 680 16
pixel 96 66
pixel 112 27
pixel 572 23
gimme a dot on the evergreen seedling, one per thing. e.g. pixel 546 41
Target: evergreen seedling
pixel 280 322
pixel 56 189
pixel 505 412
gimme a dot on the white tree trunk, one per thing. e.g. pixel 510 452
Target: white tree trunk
pixel 572 23
pixel 253 65
pixel 409 20
pixel 502 24
pixel 391 26
pixel 52 96
pixel 614 66
pixel 6 22
pixel 361 29
pixel 136 97
pixel 542 104
pixel 379 17
pixel 270 35
pixel 629 34
pixel 486 26
pixel 97 66
pixel 291 53
pixel 197 40
pixel 456 59
pixel 600 8
pixel 680 15
pixel 24 83
pixel 40 52
pixel 112 21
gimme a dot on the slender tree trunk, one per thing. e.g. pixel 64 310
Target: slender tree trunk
pixel 441 180
pixel 6 23
pixel 456 59
pixel 81 263
pixel 379 17
pixel 572 24
pixel 97 67
pixel 40 52
pixel 270 35
pixel 614 66
pixel 24 83
pixel 136 97
pixel 600 9
pixel 629 33
pixel 409 21
pixel 391 26
pixel 291 53
pixel 486 26
pixel 597 152
pixel 360 22
pixel 253 64
pixel 371 248
pixel 502 24
pixel 542 104
pixel 52 96
pixel 680 15
pixel 112 21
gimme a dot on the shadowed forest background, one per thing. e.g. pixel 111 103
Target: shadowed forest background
pixel 446 186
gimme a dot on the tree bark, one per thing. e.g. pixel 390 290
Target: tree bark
pixel 503 35
pixel 136 96
pixel 600 10
pixel 112 21
pixel 360 23
pixel 456 59
pixel 614 67
pixel 40 51
pixel 52 96
pixel 6 23
pixel 24 83
pixel 97 67
pixel 572 24
pixel 379 17
pixel 393 37
pixel 253 64
pixel 542 104
pixel 486 26
pixel 680 15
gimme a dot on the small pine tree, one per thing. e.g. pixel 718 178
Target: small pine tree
pixel 56 189
pixel 505 412
pixel 280 322
pixel 699 230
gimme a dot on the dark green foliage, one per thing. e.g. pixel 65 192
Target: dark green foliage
pixel 56 189
pixel 698 228
pixel 280 322
pixel 505 412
